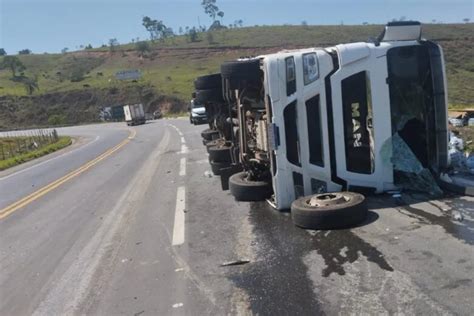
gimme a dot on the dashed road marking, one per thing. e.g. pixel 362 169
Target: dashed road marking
pixel 178 228
pixel 184 149
pixel 182 167
pixel 182 140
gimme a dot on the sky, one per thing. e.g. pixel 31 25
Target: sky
pixel 51 25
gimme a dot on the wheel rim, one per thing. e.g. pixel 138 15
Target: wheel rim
pixel 327 199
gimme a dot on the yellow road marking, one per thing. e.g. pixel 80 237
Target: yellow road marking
pixel 53 185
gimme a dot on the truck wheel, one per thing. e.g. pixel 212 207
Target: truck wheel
pixel 216 142
pixel 209 134
pixel 208 82
pixel 209 95
pixel 219 153
pixel 242 70
pixel 329 210
pixel 216 167
pixel 247 190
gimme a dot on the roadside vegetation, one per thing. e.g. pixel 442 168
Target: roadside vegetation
pixel 76 85
pixel 20 149
pixel 467 134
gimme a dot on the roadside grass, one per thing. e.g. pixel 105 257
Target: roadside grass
pixel 62 142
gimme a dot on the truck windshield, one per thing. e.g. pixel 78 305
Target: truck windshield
pixel 411 98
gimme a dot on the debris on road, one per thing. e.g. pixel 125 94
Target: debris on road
pixel 458 216
pixel 208 174
pixel 178 305
pixel 235 263
pixel 178 270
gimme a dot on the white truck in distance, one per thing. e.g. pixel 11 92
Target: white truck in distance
pixel 134 114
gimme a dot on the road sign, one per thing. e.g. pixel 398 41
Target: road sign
pixel 128 75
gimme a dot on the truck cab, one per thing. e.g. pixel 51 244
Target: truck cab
pixel 362 116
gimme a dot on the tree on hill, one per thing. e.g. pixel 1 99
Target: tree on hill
pixel 2 52
pixel 157 29
pixel 88 46
pixel 113 43
pixel 12 63
pixel 192 35
pixel 64 50
pixel 142 48
pixel 30 84
pixel 466 20
pixel 25 51
pixel 211 9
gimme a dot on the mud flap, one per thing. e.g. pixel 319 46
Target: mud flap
pixel 226 173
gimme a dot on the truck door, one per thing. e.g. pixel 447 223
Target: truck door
pixel 360 128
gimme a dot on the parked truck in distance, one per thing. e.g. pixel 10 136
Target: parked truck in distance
pixel 134 114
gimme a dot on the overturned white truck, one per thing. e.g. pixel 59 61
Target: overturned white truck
pixel 312 124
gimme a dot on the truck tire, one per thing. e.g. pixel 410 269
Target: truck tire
pixel 246 190
pixel 209 96
pixel 209 134
pixel 241 70
pixel 217 142
pixel 219 153
pixel 217 166
pixel 213 81
pixel 329 210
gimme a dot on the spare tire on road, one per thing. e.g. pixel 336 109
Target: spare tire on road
pixel 246 190
pixel 213 81
pixel 329 210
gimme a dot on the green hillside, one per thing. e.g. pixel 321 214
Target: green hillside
pixel 169 67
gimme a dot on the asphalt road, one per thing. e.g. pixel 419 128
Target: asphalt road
pixel 144 229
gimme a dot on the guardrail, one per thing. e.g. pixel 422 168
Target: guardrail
pixel 15 143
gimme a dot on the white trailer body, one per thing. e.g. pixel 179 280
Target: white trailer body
pixel 134 114
pixel 337 119
pixel 325 149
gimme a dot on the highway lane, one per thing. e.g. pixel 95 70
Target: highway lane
pixel 108 242
pixel 92 141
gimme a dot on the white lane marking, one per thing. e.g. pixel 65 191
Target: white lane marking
pixel 49 160
pixel 182 140
pixel 184 149
pixel 182 167
pixel 180 134
pixel 178 228
pixel 178 305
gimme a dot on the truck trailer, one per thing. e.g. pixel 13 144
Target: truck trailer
pixel 134 114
